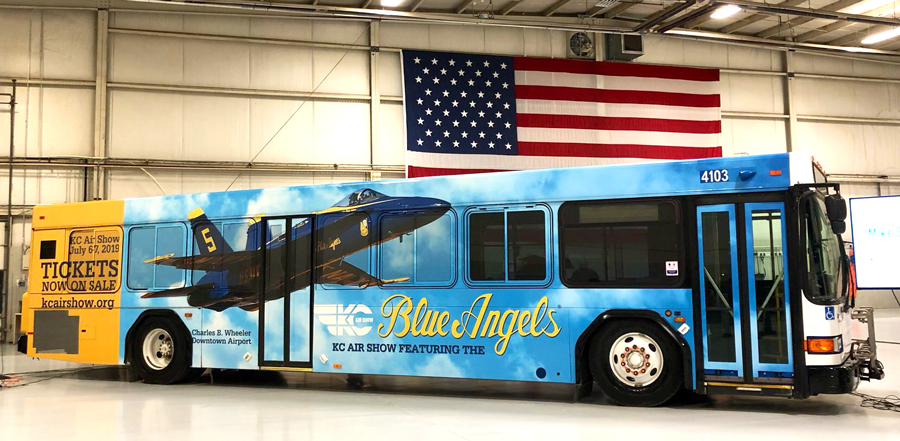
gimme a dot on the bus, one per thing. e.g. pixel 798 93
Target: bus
pixel 722 275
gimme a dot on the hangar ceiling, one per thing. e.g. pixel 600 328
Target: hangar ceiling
pixel 827 25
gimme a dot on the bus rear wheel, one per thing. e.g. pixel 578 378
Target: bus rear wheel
pixel 160 351
pixel 635 363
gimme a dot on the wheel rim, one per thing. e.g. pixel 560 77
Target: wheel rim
pixel 636 359
pixel 158 349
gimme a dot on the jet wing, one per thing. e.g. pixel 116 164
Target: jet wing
pixel 210 262
pixel 178 292
pixel 345 274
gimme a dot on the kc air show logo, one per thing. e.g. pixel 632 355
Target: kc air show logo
pixel 340 320
pixel 406 317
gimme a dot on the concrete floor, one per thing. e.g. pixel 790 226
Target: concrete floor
pixel 102 404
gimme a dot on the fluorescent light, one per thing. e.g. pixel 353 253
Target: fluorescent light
pixel 855 49
pixel 868 6
pixel 881 36
pixel 725 11
pixel 391 3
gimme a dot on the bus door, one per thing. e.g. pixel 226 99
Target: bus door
pixel 287 295
pixel 743 291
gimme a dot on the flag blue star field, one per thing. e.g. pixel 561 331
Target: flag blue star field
pixel 468 113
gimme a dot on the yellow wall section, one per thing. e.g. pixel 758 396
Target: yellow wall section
pixel 98 339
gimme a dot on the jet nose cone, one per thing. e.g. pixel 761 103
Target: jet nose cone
pixel 435 203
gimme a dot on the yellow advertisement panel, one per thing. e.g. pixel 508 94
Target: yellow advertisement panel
pixel 71 309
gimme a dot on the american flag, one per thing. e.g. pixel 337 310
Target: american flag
pixel 468 113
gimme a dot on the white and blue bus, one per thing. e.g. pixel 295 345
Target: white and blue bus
pixel 723 275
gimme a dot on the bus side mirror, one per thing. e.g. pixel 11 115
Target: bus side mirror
pixel 836 208
pixel 839 227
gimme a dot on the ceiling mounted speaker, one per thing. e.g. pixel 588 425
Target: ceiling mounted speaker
pixel 580 45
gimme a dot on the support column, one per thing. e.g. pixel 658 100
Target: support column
pixel 6 310
pixel 790 128
pixel 375 103
pixel 98 187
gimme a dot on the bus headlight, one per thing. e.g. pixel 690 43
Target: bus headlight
pixel 824 345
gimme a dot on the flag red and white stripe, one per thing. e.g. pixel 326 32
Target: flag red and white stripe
pixel 573 113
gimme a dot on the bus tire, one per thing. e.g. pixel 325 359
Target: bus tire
pixel 649 374
pixel 161 351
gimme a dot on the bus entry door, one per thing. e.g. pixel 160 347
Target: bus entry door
pixel 743 291
pixel 285 312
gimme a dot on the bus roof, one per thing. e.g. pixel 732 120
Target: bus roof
pixel 672 178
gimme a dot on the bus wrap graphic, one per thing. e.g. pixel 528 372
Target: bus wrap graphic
pixel 93 264
pixel 340 320
pixel 478 321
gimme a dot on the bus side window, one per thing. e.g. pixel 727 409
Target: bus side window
pixel 620 243
pixel 418 248
pixel 343 239
pixel 235 234
pixel 148 242
pixel 169 240
pixel 141 247
pixel 508 245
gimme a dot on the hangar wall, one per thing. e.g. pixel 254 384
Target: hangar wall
pixel 130 104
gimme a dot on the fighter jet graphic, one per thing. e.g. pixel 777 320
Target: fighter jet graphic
pixel 233 278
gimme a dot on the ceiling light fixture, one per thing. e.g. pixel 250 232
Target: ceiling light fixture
pixel 725 11
pixel 391 3
pixel 881 36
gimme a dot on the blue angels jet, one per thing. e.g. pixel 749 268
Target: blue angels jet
pixel 232 277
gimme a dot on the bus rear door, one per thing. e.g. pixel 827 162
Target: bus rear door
pixel 287 295
pixel 743 291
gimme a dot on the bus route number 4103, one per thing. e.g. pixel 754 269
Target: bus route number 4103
pixel 709 176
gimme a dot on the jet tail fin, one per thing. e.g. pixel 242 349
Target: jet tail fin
pixel 253 233
pixel 209 238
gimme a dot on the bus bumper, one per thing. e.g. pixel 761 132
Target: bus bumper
pixel 861 365
pixel 22 344
pixel 841 379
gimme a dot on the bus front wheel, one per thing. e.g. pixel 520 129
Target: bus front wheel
pixel 160 351
pixel 635 363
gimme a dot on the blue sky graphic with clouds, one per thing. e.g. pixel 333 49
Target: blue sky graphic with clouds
pixel 575 308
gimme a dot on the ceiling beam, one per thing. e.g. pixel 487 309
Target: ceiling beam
pixel 462 6
pixel 814 13
pixel 815 33
pixel 615 10
pixel 594 11
pixel 781 27
pixel 416 5
pixel 790 24
pixel 857 36
pixel 751 41
pixel 555 7
pixel 744 22
pixel 889 45
pixel 685 20
pixel 662 15
pixel 510 6
pixel 699 20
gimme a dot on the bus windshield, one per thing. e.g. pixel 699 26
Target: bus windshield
pixel 824 253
